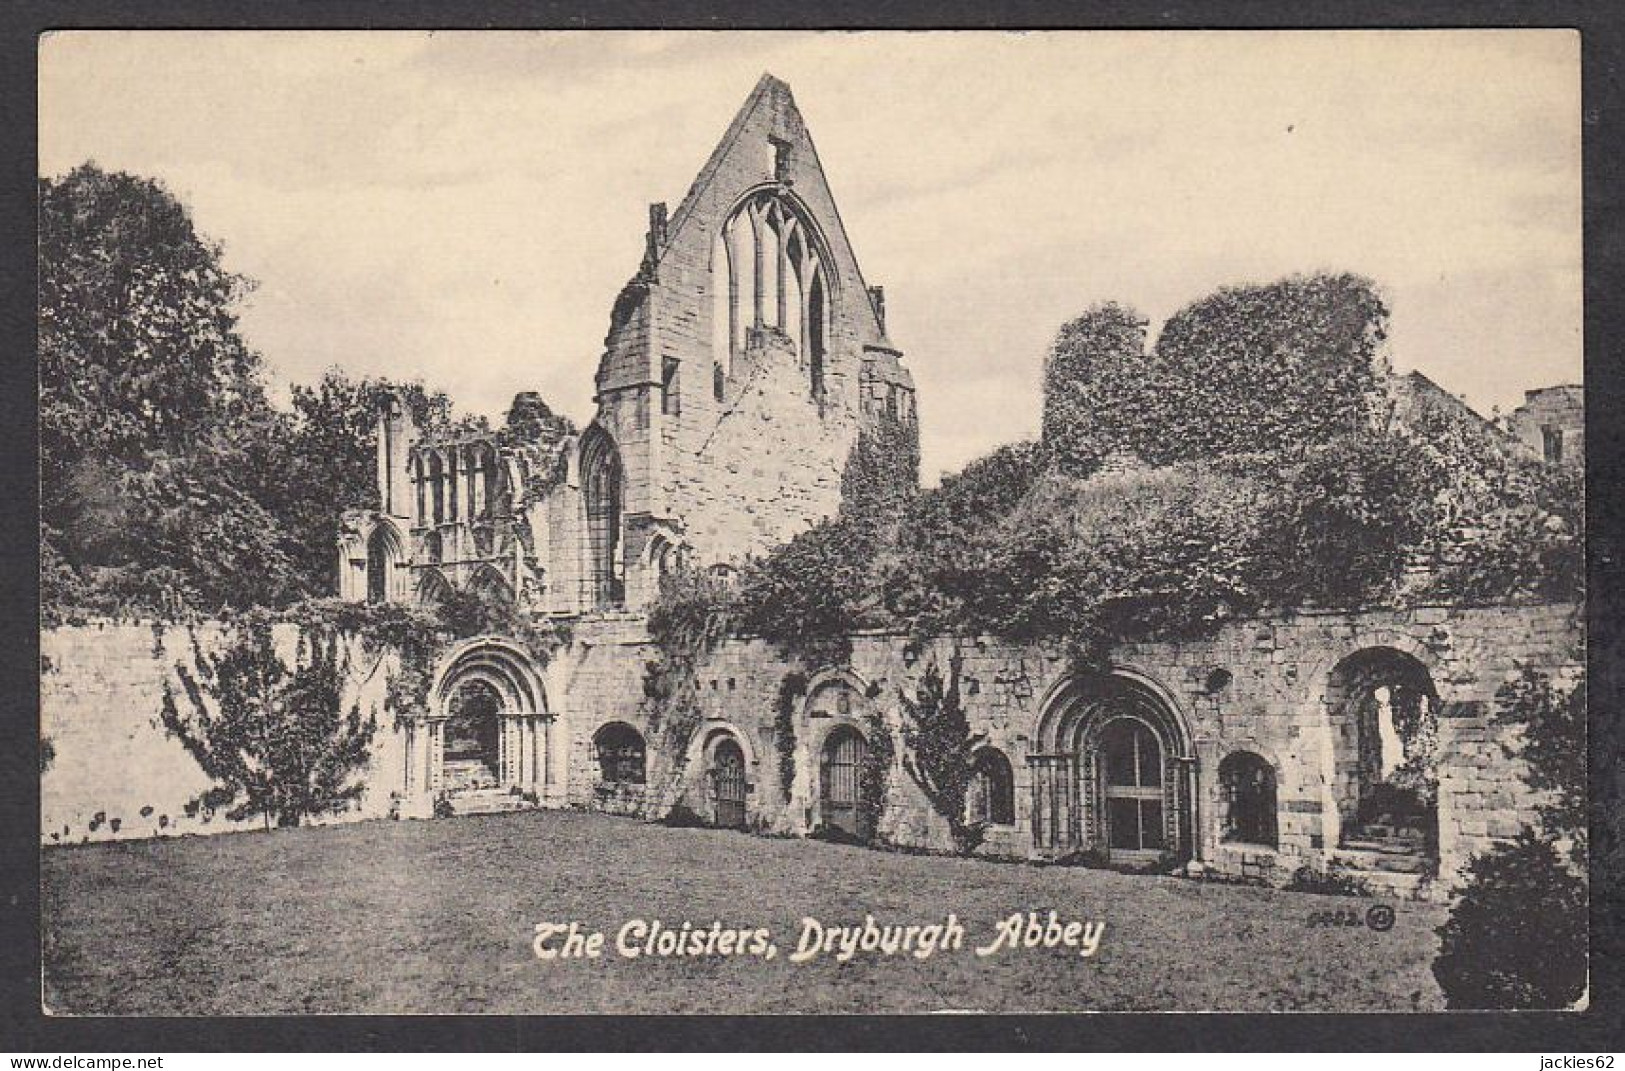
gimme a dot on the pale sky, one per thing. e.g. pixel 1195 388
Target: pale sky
pixel 464 207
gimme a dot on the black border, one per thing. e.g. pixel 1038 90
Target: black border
pixel 24 1029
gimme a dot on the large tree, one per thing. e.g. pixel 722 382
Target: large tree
pixel 151 409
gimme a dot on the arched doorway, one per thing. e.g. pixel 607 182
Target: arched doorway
pixel 841 782
pixel 991 799
pixel 728 784
pixel 1384 711
pixel 486 729
pixel 1113 773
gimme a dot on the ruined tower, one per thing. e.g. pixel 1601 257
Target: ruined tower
pixel 741 362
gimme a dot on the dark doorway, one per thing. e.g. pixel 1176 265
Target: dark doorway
pixel 473 738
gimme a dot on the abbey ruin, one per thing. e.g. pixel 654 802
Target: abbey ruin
pixel 742 362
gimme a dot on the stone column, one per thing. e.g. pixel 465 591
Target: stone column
pixel 435 756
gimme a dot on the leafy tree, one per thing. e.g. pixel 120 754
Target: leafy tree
pixel 940 750
pixel 274 737
pixel 147 395
pixel 139 350
pixel 1517 935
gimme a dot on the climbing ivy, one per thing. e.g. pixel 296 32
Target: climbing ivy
pixel 874 783
pixel 690 616
pixel 791 691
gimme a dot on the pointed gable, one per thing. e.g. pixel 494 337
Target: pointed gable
pixel 768 141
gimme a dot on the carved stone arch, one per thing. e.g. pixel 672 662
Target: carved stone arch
pixel 432 586
pixel 1081 798
pixel 490 581
pixel 1057 706
pixel 521 749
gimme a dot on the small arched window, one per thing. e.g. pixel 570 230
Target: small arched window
pixel 992 795
pixel 383 558
pixel 620 752
pixel 1248 785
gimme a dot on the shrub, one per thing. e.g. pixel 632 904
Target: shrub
pixel 1517 934
pixel 940 750
pixel 682 816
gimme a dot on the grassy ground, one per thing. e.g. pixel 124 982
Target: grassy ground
pixel 438 917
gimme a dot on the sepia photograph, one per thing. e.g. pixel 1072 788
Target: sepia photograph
pixel 805 522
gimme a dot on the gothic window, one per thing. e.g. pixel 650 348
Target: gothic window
pixel 1247 784
pixel 992 796
pixel 383 554
pixel 437 487
pixel 620 752
pixel 603 486
pixel 417 484
pixel 492 476
pixel 768 275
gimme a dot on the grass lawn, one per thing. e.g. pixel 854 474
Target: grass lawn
pixel 439 916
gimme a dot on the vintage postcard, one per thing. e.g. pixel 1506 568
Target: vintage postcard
pixel 802 522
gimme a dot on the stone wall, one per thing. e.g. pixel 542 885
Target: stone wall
pixel 1269 687
pixel 1266 687
pixel 115 774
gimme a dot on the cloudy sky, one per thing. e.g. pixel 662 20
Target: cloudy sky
pixel 463 208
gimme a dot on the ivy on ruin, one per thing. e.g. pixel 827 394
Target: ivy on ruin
pixel 792 689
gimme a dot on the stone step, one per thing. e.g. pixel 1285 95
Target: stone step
pixel 1391 862
pixel 1406 846
pixel 486 801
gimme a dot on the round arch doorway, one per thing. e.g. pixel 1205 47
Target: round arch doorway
pixel 1113 773
pixel 486 730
